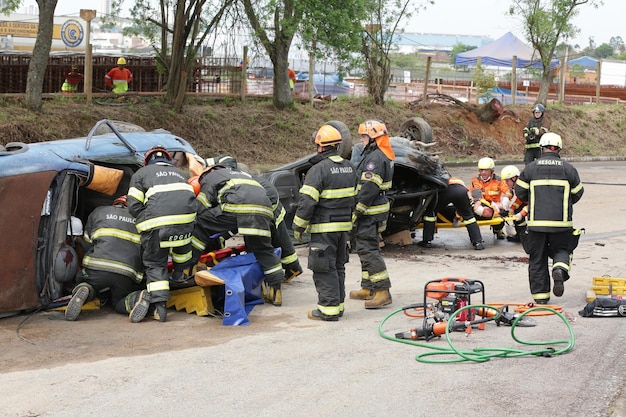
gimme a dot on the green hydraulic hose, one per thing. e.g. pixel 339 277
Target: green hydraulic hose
pixel 485 354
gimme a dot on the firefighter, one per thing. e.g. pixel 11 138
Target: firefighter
pixel 112 259
pixel 551 186
pixel 374 173
pixel 232 200
pixel 452 202
pixel 533 131
pixel 118 78
pixel 280 233
pixel 490 194
pixel 325 210
pixel 517 208
pixel 164 206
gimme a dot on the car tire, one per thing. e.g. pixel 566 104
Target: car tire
pixel 418 129
pixel 345 147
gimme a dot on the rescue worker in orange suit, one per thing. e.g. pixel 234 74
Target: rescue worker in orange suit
pixel 292 78
pixel 112 260
pixel 536 127
pixel 164 206
pixel 517 208
pixel 280 233
pixel 119 77
pixel 451 203
pixel 374 173
pixel 72 79
pixel 232 200
pixel 325 210
pixel 551 186
pixel 490 194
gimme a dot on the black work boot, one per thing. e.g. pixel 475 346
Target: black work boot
pixel 160 311
pixel 140 309
pixel 318 315
pixel 80 296
pixel 558 277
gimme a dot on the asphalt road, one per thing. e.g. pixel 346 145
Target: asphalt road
pixel 283 364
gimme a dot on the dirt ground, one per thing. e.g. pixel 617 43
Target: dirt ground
pixel 263 138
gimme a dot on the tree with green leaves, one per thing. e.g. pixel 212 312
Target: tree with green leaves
pixel 604 51
pixel 181 27
pixel 459 48
pixel 384 22
pixel 324 26
pixel 546 22
pixel 41 51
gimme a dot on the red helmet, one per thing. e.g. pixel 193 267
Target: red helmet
pixel 120 201
pixel 156 152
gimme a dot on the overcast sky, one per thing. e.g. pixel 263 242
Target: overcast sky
pixel 465 17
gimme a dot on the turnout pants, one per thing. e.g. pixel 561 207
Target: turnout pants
pixel 542 246
pixel 119 285
pixel 328 254
pixel 374 273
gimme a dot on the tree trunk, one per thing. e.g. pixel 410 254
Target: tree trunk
pixel 544 88
pixel 281 96
pixel 41 53
pixel 490 111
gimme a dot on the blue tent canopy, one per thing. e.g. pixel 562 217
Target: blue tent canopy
pixel 500 53
pixel 584 61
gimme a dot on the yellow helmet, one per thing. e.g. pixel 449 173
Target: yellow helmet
pixel 373 129
pixel 509 172
pixel 327 136
pixel 486 163
pixel 121 61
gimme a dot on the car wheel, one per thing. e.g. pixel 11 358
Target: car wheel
pixel 345 147
pixel 416 128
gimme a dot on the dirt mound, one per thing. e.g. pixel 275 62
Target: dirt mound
pixel 262 137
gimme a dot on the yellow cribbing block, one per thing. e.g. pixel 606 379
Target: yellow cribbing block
pixel 605 281
pixel 89 305
pixel 605 290
pixel 192 300
pixel 591 295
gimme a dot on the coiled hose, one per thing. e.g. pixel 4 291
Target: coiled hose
pixel 486 353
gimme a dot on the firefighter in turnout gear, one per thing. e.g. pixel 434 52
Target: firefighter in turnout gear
pixel 280 233
pixel 112 259
pixel 551 186
pixel 490 194
pixel 232 200
pixel 164 206
pixel 375 173
pixel 451 203
pixel 536 127
pixel 325 210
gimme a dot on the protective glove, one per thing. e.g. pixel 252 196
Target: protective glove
pixel 518 217
pixel 297 234
pixel 535 131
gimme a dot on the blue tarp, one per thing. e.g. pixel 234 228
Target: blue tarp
pixel 584 61
pixel 500 53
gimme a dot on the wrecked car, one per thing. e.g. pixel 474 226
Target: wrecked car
pixel 417 174
pixel 42 185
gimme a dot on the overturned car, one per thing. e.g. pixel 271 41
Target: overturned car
pixel 42 185
pixel 417 174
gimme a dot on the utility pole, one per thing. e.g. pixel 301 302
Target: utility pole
pixel 88 16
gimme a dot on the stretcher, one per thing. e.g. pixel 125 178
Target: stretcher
pixel 444 223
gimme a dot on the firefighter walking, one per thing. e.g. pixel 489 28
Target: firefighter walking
pixel 375 174
pixel 551 186
pixel 325 210
pixel 164 206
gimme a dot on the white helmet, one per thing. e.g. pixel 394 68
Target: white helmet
pixel 75 227
pixel 509 171
pixel 486 163
pixel 551 139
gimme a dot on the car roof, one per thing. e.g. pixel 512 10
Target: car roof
pixel 73 153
